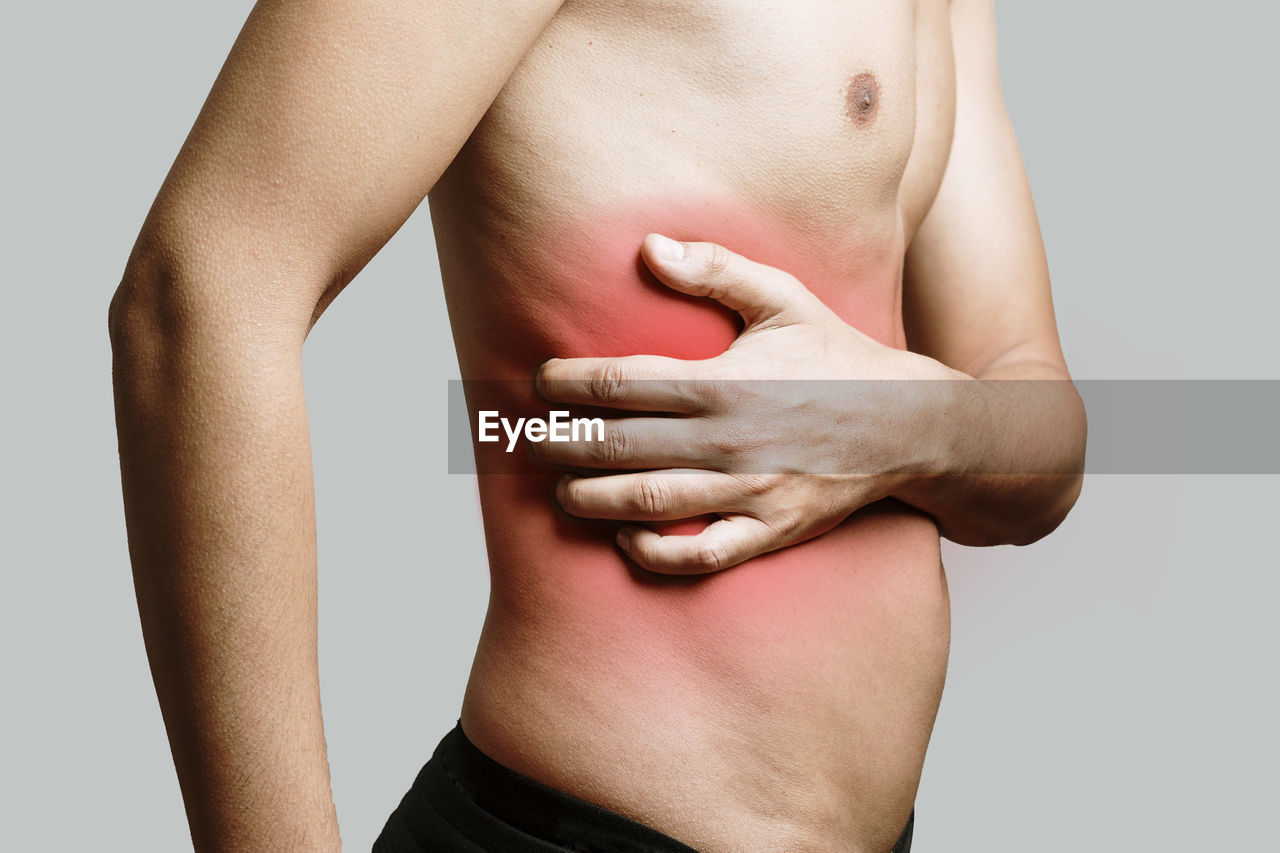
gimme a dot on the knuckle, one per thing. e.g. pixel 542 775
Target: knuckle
pixel 686 392
pixel 716 271
pixel 757 485
pixel 720 384
pixel 652 496
pixel 717 260
pixel 608 382
pixel 737 393
pixel 718 393
pixel 711 557
pixel 614 449
pixel 732 443
pixel 699 393
pixel 786 524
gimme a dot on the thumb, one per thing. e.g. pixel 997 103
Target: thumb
pixel 759 293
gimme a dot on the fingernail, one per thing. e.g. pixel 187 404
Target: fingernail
pixel 667 250
pixel 624 538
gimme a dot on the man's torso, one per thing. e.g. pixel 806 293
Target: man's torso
pixel 784 704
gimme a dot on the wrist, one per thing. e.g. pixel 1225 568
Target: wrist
pixel 938 421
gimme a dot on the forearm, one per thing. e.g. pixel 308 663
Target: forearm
pixel 219 502
pixel 1011 454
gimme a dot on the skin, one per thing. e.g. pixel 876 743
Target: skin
pixel 932 458
pixel 782 702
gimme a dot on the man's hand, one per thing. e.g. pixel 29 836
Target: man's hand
pixel 992 461
pixel 773 436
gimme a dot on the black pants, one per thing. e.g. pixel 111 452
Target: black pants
pixel 465 802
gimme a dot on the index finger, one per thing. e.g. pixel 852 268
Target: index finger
pixel 646 383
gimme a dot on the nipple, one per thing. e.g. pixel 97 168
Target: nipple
pixel 863 99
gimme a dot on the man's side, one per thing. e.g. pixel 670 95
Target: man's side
pixel 784 704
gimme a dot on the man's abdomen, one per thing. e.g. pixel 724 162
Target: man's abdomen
pixel 785 701
pixel 782 704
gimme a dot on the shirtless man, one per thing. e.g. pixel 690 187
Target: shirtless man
pixel 843 176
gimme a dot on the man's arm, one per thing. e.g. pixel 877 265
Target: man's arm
pixel 977 299
pixel 326 127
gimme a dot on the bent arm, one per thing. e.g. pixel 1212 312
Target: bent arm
pixel 977 299
pixel 326 127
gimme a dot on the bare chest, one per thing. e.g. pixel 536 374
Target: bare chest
pixel 826 116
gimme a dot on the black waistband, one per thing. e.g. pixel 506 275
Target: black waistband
pixel 464 801
pixel 542 811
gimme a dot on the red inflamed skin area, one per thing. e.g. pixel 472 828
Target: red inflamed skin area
pixel 823 621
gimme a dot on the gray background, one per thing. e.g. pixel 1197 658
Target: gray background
pixel 1111 688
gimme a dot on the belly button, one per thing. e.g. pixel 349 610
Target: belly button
pixel 862 101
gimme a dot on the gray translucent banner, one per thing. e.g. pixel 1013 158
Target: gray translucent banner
pixel 1135 426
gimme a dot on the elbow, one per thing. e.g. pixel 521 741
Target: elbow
pixel 146 372
pixel 146 333
pixel 1021 518
pixel 166 326
pixel 184 296
pixel 1062 490
pixel 135 333
pixel 1041 525
pixel 127 319
pixel 143 308
pixel 1021 509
